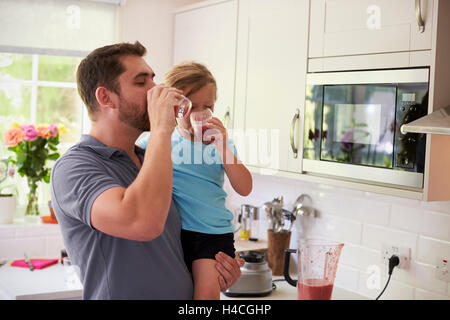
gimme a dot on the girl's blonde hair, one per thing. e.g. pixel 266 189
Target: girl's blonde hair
pixel 189 76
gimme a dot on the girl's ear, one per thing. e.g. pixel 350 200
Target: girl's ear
pixel 104 98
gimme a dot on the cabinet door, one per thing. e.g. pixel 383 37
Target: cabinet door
pixel 349 27
pixel 270 83
pixel 208 35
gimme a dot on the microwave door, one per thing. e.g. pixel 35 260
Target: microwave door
pixel 358 124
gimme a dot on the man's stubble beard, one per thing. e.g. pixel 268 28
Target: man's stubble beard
pixel 130 114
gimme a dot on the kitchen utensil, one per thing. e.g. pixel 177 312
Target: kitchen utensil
pixel 30 265
pixel 317 266
pixel 255 279
pixel 247 217
pixel 300 208
pixel 278 218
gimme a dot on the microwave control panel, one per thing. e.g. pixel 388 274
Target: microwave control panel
pixel 412 104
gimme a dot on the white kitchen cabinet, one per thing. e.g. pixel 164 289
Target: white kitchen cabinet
pixel 349 27
pixel 270 82
pixel 206 33
pixel 267 79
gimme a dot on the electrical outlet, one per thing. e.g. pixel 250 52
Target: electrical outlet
pixel 443 269
pixel 403 253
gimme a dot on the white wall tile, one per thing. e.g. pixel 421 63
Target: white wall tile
pixel 38 230
pixel 15 248
pixel 437 206
pixel 422 276
pixel 7 231
pixel 406 218
pixel 374 236
pixel 54 246
pixel 429 249
pixel 360 257
pixel 347 277
pixel 363 221
pixel 341 229
pixel 395 290
pixel 436 225
pixel 421 294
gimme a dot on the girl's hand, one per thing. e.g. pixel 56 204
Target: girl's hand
pixel 217 133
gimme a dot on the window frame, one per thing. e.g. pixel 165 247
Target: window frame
pixel 35 83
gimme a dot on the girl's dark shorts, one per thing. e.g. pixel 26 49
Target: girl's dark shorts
pixel 198 245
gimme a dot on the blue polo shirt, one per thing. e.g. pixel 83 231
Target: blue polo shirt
pixel 112 267
pixel 198 177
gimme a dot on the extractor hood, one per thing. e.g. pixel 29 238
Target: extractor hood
pixel 437 122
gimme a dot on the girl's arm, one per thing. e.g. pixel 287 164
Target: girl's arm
pixel 239 176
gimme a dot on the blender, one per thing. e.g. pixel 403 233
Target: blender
pixel 317 266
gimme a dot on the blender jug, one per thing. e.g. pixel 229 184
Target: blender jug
pixel 317 266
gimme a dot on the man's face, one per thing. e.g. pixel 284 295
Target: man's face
pixel 134 84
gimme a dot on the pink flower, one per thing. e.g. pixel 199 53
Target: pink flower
pixel 31 133
pixel 53 130
pixel 11 172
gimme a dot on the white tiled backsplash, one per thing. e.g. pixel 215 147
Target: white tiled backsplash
pixel 363 221
pixel 37 241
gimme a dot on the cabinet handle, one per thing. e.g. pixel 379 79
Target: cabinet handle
pixel 420 22
pixel 226 118
pixel 294 148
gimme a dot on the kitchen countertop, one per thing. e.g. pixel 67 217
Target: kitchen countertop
pixel 285 291
pixel 247 245
pixel 50 283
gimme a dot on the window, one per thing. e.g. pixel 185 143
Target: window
pixel 40 89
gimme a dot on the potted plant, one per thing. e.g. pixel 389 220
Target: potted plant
pixel 33 147
pixel 7 193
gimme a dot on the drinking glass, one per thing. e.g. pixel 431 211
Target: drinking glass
pixel 199 120
pixel 182 109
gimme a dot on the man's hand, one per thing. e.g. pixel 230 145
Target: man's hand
pixel 229 269
pixel 161 102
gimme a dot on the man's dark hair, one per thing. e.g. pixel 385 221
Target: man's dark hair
pixel 102 67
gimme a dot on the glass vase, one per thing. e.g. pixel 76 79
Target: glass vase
pixel 32 206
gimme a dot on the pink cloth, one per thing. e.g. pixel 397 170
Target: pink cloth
pixel 37 263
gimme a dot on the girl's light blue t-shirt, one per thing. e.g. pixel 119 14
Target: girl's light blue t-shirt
pixel 198 177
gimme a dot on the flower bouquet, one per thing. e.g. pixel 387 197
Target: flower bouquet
pixel 33 146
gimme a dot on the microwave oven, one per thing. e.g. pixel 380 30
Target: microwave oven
pixel 352 125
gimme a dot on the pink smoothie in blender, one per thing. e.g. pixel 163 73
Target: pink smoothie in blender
pixel 317 266
pixel 314 289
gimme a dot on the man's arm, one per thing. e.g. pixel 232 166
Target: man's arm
pixel 139 212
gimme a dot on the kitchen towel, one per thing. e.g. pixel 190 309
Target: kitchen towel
pixel 37 263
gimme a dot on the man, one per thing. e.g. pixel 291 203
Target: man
pixel 113 202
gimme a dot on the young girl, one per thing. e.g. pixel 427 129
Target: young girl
pixel 199 164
